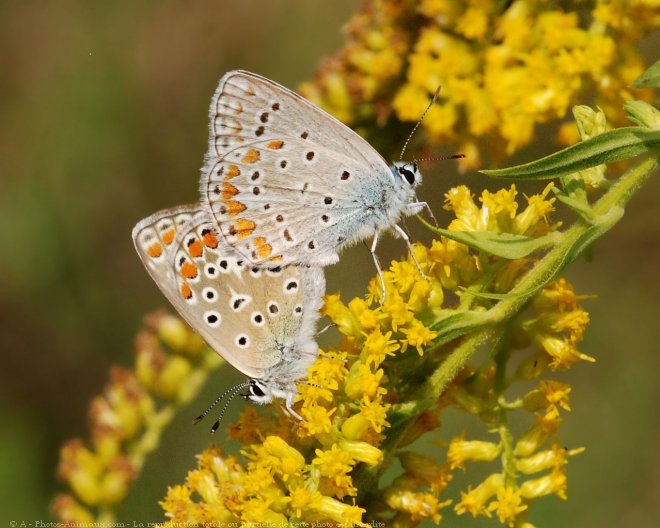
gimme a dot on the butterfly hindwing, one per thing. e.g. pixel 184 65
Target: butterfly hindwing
pixel 154 238
pixel 252 317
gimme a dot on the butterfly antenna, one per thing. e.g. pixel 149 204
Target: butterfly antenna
pixel 453 156
pixel 405 145
pixel 218 400
pixel 234 392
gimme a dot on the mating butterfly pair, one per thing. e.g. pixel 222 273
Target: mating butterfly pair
pixel 285 186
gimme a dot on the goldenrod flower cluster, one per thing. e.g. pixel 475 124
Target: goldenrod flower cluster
pixel 327 467
pixel 171 364
pixel 504 67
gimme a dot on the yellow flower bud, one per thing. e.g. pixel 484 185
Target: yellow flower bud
pixel 461 451
pixel 362 451
pixel 68 510
pixel 174 373
pixel 172 331
pixel 438 477
pixel 474 500
pixel 537 435
pixel 554 483
pixel 340 512
pixel 354 427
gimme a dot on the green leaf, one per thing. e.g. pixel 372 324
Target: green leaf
pixel 614 145
pixel 600 225
pixel 505 245
pixel 649 79
pixel 459 324
pixel 642 114
pixel 579 206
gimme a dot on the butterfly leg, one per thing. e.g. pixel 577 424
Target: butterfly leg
pixel 406 238
pixel 374 243
pixel 415 207
pixel 324 329
pixel 289 407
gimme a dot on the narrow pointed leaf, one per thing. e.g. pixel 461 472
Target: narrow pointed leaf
pixel 614 145
pixel 505 245
pixel 649 79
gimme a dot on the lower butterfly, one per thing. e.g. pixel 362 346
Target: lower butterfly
pixel 261 321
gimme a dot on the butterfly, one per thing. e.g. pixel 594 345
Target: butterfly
pixel 261 321
pixel 287 183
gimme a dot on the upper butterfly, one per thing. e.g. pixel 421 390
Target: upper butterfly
pixel 287 183
pixel 261 321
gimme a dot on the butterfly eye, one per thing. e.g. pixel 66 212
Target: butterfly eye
pixel 255 390
pixel 407 174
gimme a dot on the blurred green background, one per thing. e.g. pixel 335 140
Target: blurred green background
pixel 103 120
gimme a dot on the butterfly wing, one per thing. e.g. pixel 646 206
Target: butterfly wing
pixel 285 181
pixel 246 315
pixel 154 239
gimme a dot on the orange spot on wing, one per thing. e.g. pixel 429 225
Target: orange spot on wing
pixel 232 172
pixel 188 270
pixel 186 291
pixel 252 156
pixel 196 249
pixel 275 145
pixel 168 236
pixel 276 258
pixel 228 190
pixel 244 228
pixel 263 249
pixel 210 240
pixel 155 250
pixel 235 208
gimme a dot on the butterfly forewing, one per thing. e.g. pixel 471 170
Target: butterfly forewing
pixel 281 202
pixel 284 181
pixel 247 107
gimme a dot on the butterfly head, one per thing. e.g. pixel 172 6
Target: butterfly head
pixel 259 392
pixel 407 173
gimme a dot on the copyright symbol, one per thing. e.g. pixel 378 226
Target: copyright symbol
pixel 12 524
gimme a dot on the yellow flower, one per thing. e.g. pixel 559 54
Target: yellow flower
pixel 554 458
pixel 420 466
pixel 377 346
pixel 533 221
pixel 340 315
pixel 417 504
pixel 556 394
pixel 340 512
pixel 367 318
pixel 317 419
pixel 554 483
pixel 303 499
pixel 508 505
pixel 334 463
pixel 374 412
pixel 544 428
pixel 461 450
pixel 417 335
pixel 399 312
pixel 362 381
pixel 362 451
pixel 474 500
